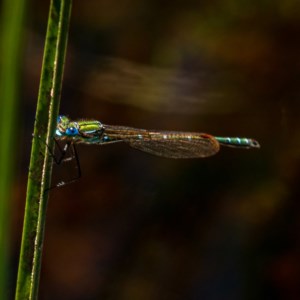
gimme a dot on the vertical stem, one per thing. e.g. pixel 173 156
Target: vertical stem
pixel 41 162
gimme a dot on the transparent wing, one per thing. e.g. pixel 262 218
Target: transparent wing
pixel 170 144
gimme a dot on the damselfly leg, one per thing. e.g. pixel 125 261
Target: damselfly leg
pixel 67 153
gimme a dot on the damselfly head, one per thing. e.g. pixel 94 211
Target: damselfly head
pixel 63 124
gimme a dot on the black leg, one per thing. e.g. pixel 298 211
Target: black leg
pixel 62 159
pixel 63 151
pixel 77 161
pixel 75 155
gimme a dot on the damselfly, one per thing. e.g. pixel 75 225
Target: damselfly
pixel 169 144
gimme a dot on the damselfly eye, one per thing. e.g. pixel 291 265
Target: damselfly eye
pixel 72 131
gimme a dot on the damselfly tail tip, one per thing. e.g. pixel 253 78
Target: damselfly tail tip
pixel 254 143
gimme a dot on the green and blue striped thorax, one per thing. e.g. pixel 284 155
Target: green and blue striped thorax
pixel 83 131
pixel 170 144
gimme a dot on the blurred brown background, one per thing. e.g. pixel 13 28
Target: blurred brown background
pixel 142 227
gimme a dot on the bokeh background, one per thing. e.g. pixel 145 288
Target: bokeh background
pixel 142 227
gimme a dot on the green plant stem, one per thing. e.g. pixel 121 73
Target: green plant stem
pixel 12 19
pixel 41 161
